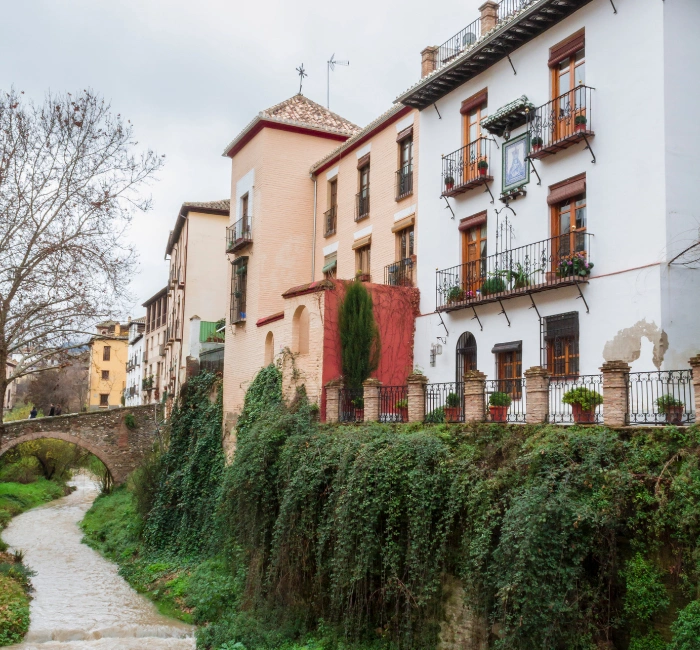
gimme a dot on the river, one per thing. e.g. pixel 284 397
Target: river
pixel 79 601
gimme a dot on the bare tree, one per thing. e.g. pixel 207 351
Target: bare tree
pixel 70 182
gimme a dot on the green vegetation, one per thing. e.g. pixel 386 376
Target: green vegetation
pixel 14 604
pixel 586 398
pixel 359 335
pixel 20 412
pixel 341 537
pixel 500 399
pixel 15 498
pixel 668 402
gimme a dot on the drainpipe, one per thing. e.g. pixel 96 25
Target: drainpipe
pixel 313 243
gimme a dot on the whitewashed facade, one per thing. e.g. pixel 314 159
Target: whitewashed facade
pixel 132 393
pixel 640 302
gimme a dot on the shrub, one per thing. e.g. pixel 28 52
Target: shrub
pixel 651 641
pixel 360 346
pixel 645 593
pixel 500 399
pixel 493 285
pixel 664 402
pixel 453 401
pixel 14 611
pixel 588 399
pixel 130 421
pixel 686 629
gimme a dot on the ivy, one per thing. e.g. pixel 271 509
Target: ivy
pixel 264 393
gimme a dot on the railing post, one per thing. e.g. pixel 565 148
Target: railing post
pixel 416 397
pixel 695 365
pixel 474 396
pixel 371 388
pixel 489 16
pixel 615 393
pixel 536 395
pixel 333 389
pixel 428 61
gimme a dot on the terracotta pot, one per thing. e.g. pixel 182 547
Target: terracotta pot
pixel 674 414
pixel 581 416
pixel 580 127
pixel 483 171
pixel 359 415
pixel 452 413
pixel 537 147
pixel 403 414
pixel 449 186
pixel 499 413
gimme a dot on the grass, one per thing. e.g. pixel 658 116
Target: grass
pixel 16 498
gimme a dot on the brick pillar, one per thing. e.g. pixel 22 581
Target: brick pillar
pixel 695 365
pixel 428 62
pixel 371 394
pixel 536 395
pixel 416 397
pixel 474 396
pixel 333 388
pixel 615 396
pixel 489 16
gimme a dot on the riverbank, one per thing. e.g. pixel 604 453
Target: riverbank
pixel 16 498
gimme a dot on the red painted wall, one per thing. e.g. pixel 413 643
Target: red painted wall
pixel 395 310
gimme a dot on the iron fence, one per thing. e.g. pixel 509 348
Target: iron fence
pixel 660 397
pixel 352 405
pixel 330 221
pixel 404 181
pixel 393 404
pixel 527 269
pixel 576 399
pixel 239 234
pixel 466 167
pixel 399 274
pixel 507 8
pixel 444 402
pixel 505 400
pixel 561 121
pixel 458 43
pixel 362 204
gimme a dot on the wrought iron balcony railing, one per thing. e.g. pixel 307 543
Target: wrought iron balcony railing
pixel 561 122
pixel 548 264
pixel 240 234
pixel 466 168
pixel 404 182
pixel 399 274
pixel 330 221
pixel 362 204
pixel 466 37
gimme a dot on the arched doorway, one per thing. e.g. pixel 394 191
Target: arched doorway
pixel 466 355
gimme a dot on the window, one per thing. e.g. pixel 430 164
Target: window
pixel 405 240
pixel 244 206
pixel 331 215
pixel 509 367
pixel 363 262
pixel 330 266
pixel 104 399
pixel 300 330
pixel 404 177
pixel 569 227
pixel 269 348
pixel 569 73
pixel 239 276
pixel 363 194
pixel 561 336
pixel 106 353
pixel 105 375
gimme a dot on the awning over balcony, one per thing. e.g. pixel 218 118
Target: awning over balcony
pixel 508 117
pixel 512 346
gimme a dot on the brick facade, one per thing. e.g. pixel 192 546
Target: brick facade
pixel 537 394
pixel 615 393
pixel 474 396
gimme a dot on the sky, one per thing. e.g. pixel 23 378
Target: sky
pixel 191 75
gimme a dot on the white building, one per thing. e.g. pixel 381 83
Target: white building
pixel 612 97
pixel 132 395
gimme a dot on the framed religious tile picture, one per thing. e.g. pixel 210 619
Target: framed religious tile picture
pixel 516 170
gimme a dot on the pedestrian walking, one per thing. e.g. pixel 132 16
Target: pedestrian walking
pixel 59 410
pixel 52 410
pixel 32 413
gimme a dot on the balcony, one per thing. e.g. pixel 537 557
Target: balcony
pixel 400 274
pixel 240 234
pixel 362 204
pixel 467 168
pixel 561 123
pixel 404 182
pixel 330 219
pixel 549 264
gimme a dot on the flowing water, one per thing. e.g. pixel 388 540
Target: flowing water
pixel 80 601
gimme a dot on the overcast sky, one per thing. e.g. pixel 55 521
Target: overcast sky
pixel 190 75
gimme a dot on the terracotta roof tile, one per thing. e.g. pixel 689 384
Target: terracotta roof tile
pixel 210 205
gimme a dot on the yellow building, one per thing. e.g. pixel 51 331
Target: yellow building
pixel 108 356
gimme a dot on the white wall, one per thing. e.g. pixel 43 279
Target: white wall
pixel 626 197
pixel 133 376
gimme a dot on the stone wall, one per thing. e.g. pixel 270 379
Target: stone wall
pixel 103 433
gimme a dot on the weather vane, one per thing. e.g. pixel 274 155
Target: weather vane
pixel 331 66
pixel 302 74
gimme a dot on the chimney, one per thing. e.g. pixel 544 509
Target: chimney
pixel 428 61
pixel 489 16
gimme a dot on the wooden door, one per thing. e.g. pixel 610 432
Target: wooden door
pixel 473 259
pixel 568 76
pixel 568 228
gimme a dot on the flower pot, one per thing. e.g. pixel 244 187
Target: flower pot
pixel 581 416
pixel 449 186
pixel 403 414
pixel 452 413
pixel 359 415
pixel 674 414
pixel 499 413
pixel 536 147
pixel 579 128
pixel 483 171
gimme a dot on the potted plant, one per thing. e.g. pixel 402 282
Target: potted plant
pixel 580 122
pixel 449 183
pixel 493 285
pixel 453 406
pixel 671 407
pixel 537 143
pixel 498 406
pixel 454 294
pixel 402 409
pixel 576 264
pixel 359 406
pixel 483 167
pixel 583 403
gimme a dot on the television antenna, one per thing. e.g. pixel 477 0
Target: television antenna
pixel 302 73
pixel 331 66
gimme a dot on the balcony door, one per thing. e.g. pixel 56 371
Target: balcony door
pixel 568 76
pixel 473 151
pixel 466 355
pixel 473 259
pixel 569 228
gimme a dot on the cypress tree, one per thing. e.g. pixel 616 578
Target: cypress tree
pixel 359 335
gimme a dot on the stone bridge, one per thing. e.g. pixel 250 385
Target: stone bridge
pixel 103 433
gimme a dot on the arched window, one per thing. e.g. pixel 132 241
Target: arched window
pixel 300 331
pixel 466 355
pixel 269 348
